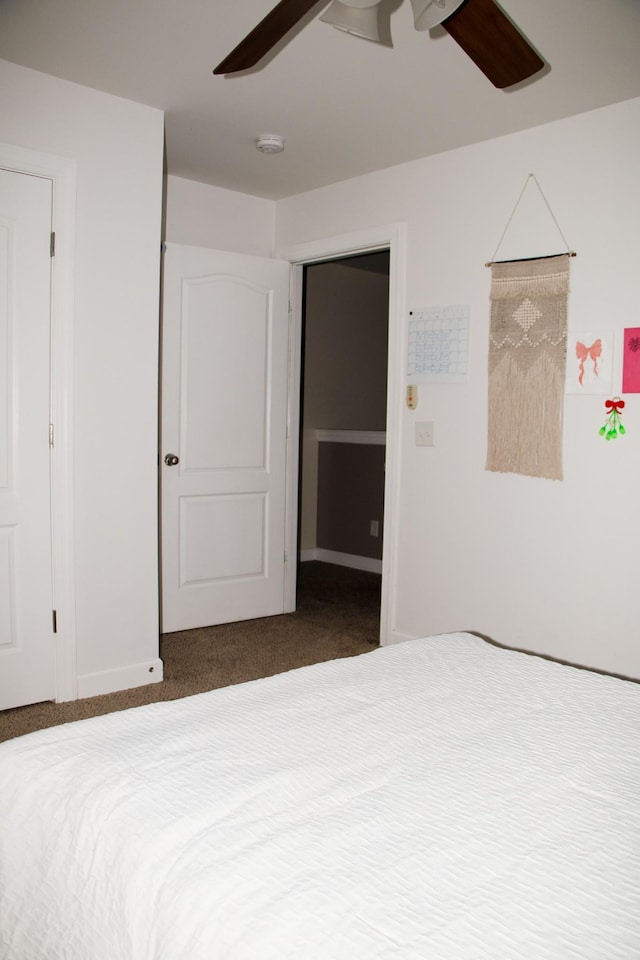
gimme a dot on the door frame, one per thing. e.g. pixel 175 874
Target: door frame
pixel 62 173
pixel 392 237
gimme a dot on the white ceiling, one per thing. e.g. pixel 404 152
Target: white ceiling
pixel 344 106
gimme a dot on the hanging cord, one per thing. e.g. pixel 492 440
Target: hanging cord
pixel 533 177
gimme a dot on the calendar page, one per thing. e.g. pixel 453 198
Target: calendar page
pixel 438 345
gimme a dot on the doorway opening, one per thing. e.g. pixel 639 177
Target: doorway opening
pixel 343 410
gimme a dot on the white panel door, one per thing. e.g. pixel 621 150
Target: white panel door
pixel 224 415
pixel 27 652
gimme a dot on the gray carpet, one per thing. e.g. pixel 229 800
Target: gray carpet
pixel 338 615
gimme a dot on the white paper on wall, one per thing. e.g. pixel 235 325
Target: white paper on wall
pixel 589 362
pixel 438 345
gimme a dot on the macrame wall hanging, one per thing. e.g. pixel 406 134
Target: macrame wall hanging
pixel 527 360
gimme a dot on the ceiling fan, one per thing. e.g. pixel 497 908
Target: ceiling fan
pixel 480 27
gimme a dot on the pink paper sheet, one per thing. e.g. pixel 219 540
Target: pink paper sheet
pixel 631 361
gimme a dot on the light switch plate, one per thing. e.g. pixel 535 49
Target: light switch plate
pixel 425 433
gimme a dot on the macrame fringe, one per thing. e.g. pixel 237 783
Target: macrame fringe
pixel 545 277
pixel 525 434
pixel 552 285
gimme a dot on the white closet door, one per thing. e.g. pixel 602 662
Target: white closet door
pixel 27 651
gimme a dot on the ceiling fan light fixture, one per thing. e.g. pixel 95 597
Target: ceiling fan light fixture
pixel 480 27
pixel 359 17
pixel 429 13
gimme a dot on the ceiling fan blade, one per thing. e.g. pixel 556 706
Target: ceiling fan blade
pixel 498 48
pixel 262 38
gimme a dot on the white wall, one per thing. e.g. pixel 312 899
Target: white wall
pixel 345 347
pixel 118 148
pixel 546 565
pixel 204 216
pixel 549 566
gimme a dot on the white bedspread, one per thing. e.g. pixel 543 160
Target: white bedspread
pixel 437 800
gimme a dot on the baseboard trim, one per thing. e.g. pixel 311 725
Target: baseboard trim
pixel 123 678
pixel 370 564
pixel 396 637
pixel 377 437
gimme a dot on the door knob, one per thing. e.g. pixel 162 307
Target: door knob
pixel 171 460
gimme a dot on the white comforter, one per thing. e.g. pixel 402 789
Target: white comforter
pixel 437 800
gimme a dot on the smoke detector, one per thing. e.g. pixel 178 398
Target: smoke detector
pixel 270 143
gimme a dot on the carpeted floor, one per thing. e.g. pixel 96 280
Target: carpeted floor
pixel 338 615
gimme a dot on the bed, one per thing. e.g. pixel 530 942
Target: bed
pixel 441 799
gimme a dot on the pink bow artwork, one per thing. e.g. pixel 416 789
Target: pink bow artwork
pixel 584 353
